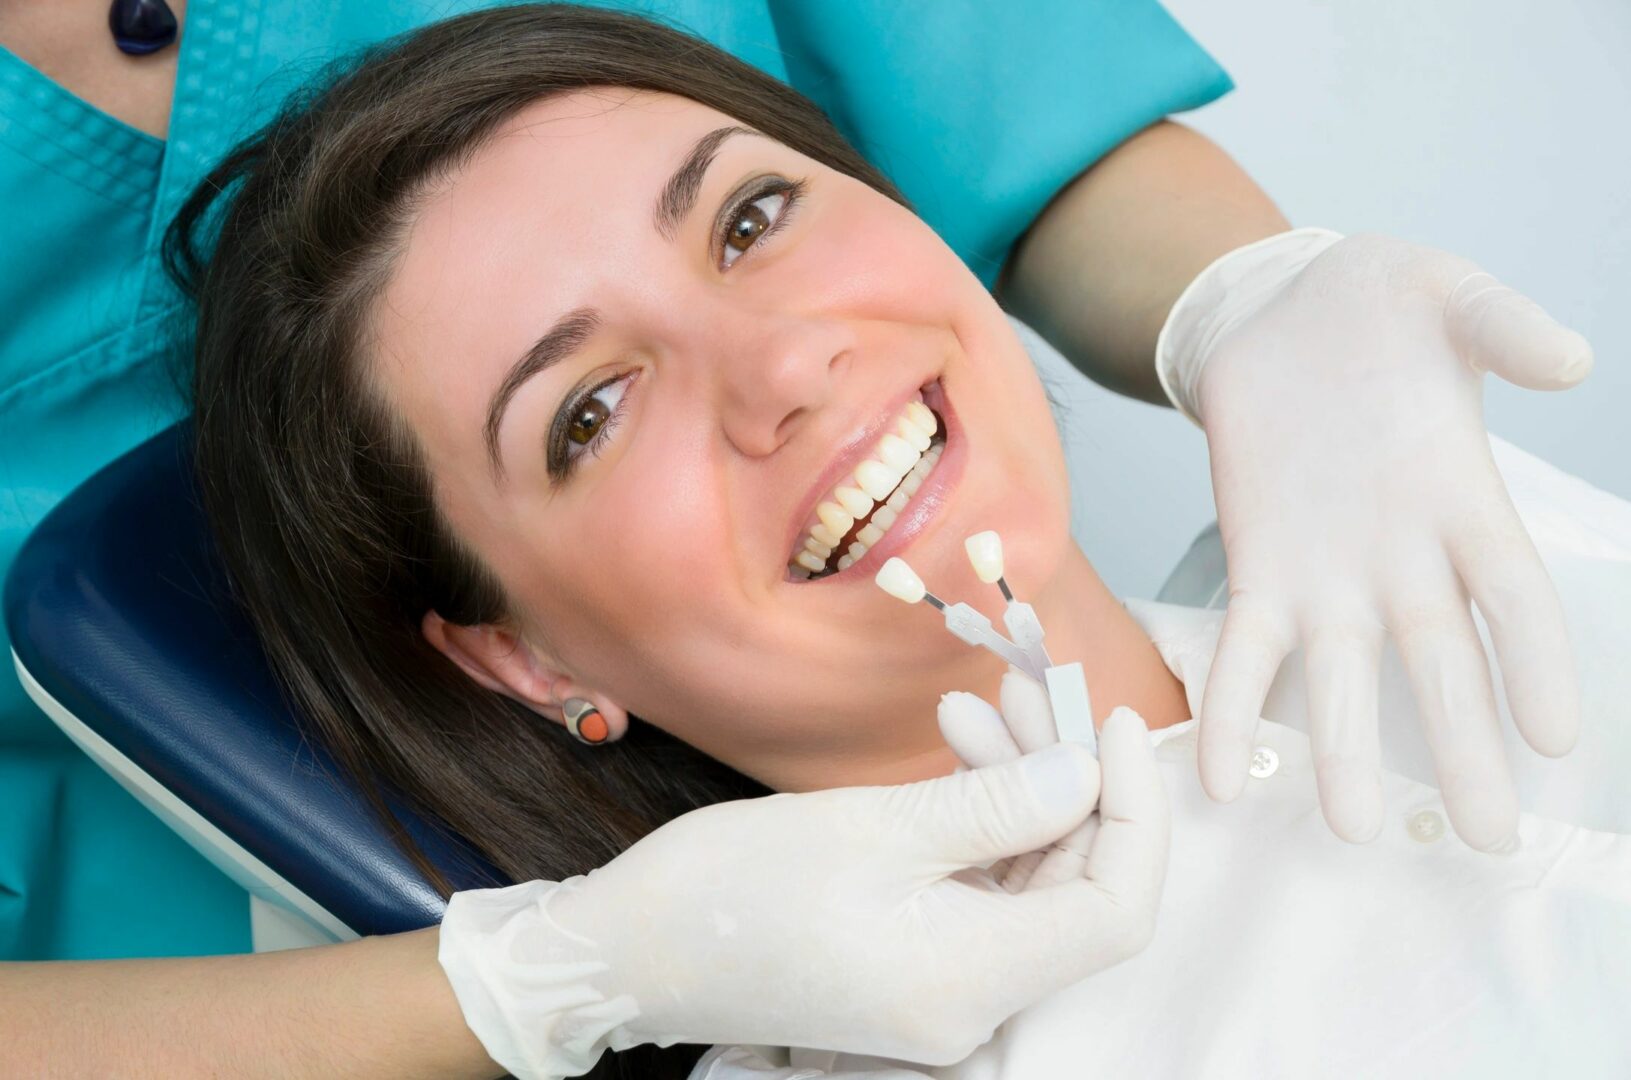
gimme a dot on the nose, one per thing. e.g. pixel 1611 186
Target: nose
pixel 773 373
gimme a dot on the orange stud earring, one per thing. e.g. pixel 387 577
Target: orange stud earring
pixel 584 721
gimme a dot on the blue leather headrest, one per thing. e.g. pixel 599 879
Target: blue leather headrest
pixel 116 605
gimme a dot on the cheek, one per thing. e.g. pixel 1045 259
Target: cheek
pixel 622 578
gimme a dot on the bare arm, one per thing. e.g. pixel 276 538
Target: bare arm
pixel 1101 267
pixel 377 1007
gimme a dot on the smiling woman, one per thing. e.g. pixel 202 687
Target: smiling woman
pixel 549 355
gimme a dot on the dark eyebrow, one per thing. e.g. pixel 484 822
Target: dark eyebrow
pixel 680 193
pixel 570 332
pixel 567 335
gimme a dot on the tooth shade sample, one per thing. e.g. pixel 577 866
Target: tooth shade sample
pixel 811 561
pixel 900 581
pixel 845 562
pixel 985 552
pixel 876 479
pixel 823 535
pixel 915 436
pixel 855 503
pixel 837 520
pixel 870 534
pixel 815 546
pixel 885 517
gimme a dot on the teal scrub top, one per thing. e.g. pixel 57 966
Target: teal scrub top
pixel 980 112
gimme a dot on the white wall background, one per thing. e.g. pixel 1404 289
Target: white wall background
pixel 1497 129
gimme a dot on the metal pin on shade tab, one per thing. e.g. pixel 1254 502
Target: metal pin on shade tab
pixel 1065 683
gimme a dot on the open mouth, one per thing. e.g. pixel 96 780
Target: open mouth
pixel 859 510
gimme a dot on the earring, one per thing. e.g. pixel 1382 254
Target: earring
pixel 584 721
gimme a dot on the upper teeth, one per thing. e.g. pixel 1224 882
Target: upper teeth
pixel 891 474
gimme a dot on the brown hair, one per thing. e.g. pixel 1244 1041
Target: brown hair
pixel 318 496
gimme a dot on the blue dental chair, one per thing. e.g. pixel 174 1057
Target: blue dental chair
pixel 123 632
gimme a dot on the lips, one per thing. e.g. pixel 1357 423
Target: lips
pixel 869 492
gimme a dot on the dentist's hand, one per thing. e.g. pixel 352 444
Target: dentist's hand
pixel 1133 806
pixel 1340 385
pixel 854 919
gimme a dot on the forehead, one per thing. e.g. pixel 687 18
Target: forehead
pixel 575 168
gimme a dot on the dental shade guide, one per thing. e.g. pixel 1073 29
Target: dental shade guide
pixel 1066 683
pixel 967 625
pixel 985 554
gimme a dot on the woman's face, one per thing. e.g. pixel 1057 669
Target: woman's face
pixel 637 372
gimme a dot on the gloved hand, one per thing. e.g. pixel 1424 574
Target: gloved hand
pixel 846 919
pixel 1339 383
pixel 982 736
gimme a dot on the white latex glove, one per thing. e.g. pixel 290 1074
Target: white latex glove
pixel 1339 383
pixel 982 736
pixel 844 920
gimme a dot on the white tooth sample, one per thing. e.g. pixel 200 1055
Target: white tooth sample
pixel 845 562
pixel 897 502
pixel 816 546
pixel 856 503
pixel 870 534
pixel 811 561
pixel 876 479
pixel 985 553
pixel 824 535
pixel 900 581
pixel 883 518
pixel 837 520
pixel 921 415
pixel 915 436
pixel 912 482
pixel 856 550
pixel 897 454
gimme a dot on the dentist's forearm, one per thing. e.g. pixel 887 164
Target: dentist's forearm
pixel 376 1007
pixel 1099 270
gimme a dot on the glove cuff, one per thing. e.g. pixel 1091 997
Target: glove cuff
pixel 523 982
pixel 1231 288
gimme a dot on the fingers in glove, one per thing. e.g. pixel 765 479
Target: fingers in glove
pixel 1065 860
pixel 1502 570
pixel 1449 675
pixel 1027 712
pixel 1107 915
pixel 1129 855
pixel 1253 642
pixel 978 817
pixel 1020 870
pixel 1344 669
pixel 1496 328
pixel 975 731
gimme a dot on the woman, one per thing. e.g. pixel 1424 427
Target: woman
pixel 570 388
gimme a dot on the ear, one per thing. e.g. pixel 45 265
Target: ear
pixel 494 657
pixel 501 660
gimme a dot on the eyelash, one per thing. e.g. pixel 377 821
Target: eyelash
pixel 777 185
pixel 561 461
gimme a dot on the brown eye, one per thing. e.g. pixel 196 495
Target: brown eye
pixel 750 222
pixel 586 423
pixel 756 219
